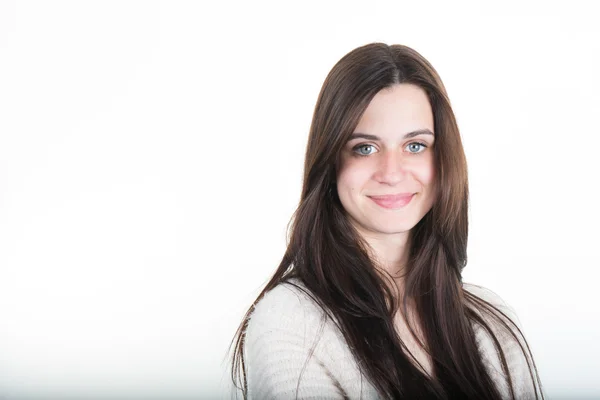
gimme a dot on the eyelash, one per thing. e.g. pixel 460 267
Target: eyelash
pixel 356 153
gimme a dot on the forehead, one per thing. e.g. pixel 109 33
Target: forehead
pixel 396 110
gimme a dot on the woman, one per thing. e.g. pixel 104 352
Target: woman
pixel 368 301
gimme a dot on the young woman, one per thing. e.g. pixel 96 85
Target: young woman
pixel 368 301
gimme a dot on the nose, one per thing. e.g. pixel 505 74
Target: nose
pixel 391 168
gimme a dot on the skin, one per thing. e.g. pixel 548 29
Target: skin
pixel 391 164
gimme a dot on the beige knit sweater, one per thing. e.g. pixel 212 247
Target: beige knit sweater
pixel 286 324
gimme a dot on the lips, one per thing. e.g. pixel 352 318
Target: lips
pixel 393 201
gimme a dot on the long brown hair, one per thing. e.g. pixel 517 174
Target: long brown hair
pixel 329 257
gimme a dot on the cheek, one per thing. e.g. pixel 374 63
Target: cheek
pixel 351 176
pixel 425 172
pixel 345 183
pixel 428 176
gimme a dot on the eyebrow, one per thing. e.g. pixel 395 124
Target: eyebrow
pixel 409 135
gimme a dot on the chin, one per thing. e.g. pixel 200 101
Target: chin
pixel 390 228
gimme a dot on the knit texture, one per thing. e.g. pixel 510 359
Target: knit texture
pixel 286 324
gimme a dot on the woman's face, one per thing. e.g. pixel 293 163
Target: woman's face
pixel 385 179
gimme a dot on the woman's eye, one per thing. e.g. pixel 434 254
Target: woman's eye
pixel 365 149
pixel 416 147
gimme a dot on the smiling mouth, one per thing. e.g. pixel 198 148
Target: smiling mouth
pixel 393 201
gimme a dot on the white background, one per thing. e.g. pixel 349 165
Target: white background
pixel 151 156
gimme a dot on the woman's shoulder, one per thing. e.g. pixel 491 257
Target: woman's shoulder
pixel 287 316
pixel 510 337
pixel 287 304
pixel 501 318
pixel 483 292
pixel 291 344
pixel 494 299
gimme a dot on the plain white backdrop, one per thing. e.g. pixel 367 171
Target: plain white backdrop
pixel 151 156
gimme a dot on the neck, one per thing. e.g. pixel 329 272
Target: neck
pixel 390 253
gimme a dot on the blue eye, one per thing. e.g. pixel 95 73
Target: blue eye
pixel 359 149
pixel 416 146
